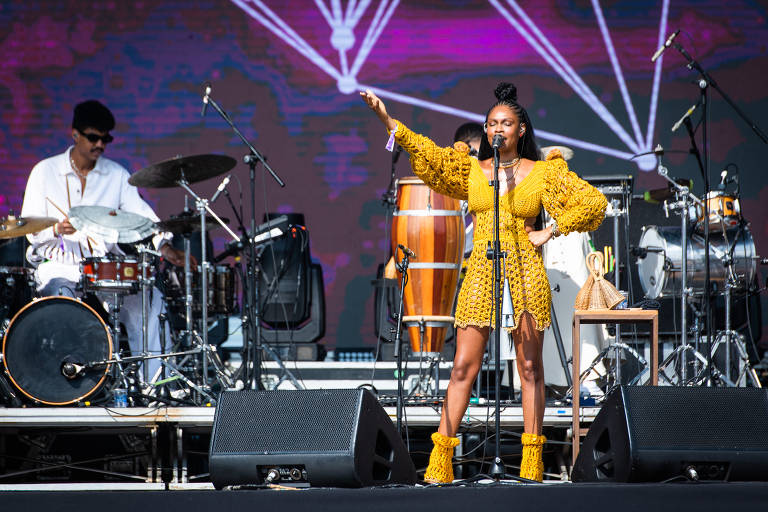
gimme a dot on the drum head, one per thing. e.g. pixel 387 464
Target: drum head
pixel 651 268
pixel 45 335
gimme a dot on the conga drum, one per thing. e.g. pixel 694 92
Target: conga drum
pixel 432 226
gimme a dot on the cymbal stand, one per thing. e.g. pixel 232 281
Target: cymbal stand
pixel 729 337
pixel 684 199
pixel 252 159
pixel 202 208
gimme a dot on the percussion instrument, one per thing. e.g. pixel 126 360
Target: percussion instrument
pixel 221 290
pixel 111 273
pixel 188 222
pixel 114 226
pixel 11 227
pixel 51 337
pixel 432 226
pixel 659 266
pixel 169 173
pixel 17 287
pixel 724 212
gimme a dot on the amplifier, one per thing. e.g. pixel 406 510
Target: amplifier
pixel 612 184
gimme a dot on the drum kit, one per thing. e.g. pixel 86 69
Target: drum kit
pixel 60 350
pixel 671 262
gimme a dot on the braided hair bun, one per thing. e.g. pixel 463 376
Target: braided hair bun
pixel 506 92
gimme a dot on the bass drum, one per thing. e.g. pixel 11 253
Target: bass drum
pixel 660 269
pixel 44 336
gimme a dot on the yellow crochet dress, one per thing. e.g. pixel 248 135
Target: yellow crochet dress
pixel 572 202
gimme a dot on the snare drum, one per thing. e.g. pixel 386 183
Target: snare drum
pixel 724 212
pixel 112 273
pixel 47 334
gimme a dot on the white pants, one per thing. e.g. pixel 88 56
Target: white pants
pixel 60 279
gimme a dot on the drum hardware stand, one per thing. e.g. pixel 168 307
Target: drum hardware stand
pixel 684 199
pixel 564 361
pixel 145 284
pixel 730 337
pixel 704 83
pixel 202 208
pixel 252 336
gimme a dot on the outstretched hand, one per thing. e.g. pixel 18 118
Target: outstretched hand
pixel 378 108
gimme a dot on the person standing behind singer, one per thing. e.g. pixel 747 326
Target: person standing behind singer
pixel 526 185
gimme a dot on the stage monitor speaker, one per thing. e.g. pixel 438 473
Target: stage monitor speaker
pixel 331 438
pixel 652 434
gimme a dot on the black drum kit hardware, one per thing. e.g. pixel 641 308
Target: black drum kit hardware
pixel 62 351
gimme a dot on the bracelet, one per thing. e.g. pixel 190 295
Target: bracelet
pixel 55 233
pixel 555 229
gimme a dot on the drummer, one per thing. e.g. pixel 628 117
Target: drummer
pixel 81 176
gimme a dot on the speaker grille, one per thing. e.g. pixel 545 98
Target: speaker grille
pixel 716 418
pixel 328 423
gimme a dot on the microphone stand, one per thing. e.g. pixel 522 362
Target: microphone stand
pixel 403 268
pixel 704 83
pixel 493 252
pixel 253 362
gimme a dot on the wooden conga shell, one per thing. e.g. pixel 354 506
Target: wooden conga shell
pixel 431 225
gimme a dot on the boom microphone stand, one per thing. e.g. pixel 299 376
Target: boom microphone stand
pixel 253 158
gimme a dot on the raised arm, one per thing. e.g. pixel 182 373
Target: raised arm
pixel 446 170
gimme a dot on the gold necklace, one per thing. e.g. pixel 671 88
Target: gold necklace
pixel 510 163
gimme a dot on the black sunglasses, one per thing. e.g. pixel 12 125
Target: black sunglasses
pixel 94 138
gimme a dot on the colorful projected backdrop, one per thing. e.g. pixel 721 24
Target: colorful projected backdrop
pixel 287 73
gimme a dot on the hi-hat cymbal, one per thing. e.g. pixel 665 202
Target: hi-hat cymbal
pixel 565 151
pixel 11 227
pixel 186 223
pixel 194 168
pixel 114 226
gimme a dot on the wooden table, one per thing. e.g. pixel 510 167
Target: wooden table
pixel 608 316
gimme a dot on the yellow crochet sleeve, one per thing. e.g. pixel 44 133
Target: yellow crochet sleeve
pixel 445 170
pixel 575 204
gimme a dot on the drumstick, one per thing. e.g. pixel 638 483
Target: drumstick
pixel 65 214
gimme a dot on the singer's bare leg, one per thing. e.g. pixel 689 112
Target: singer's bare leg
pixel 470 347
pixel 528 350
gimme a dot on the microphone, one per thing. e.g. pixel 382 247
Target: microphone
pixel 723 180
pixel 407 251
pixel 71 370
pixel 205 99
pixel 685 116
pixel 497 141
pixel 666 45
pixel 221 188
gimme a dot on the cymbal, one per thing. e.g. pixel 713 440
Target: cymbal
pixel 659 151
pixel 11 227
pixel 113 225
pixel 186 223
pixel 195 168
pixel 565 151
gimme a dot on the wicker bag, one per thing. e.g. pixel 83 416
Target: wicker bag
pixel 597 293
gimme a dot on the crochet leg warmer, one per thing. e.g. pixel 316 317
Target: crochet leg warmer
pixel 440 469
pixel 531 465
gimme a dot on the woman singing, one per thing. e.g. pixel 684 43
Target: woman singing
pixel 525 186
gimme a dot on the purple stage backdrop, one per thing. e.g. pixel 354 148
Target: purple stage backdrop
pixel 287 72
